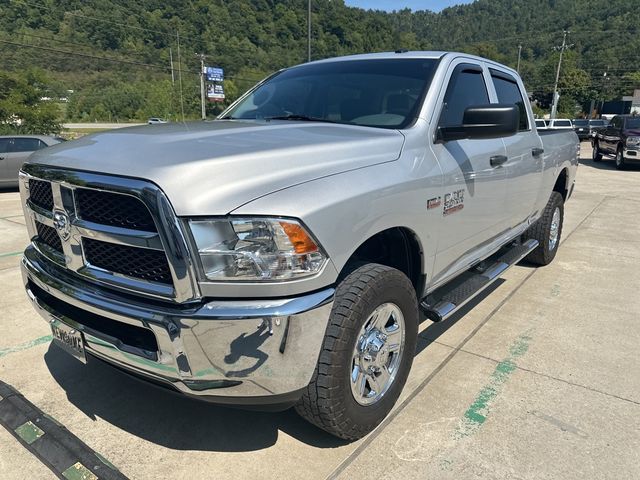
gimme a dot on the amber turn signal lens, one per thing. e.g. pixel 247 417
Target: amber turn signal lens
pixel 302 243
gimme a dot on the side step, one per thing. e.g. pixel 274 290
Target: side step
pixel 440 307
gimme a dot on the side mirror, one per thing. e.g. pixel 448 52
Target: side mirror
pixel 484 121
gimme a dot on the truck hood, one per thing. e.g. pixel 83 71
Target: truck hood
pixel 212 168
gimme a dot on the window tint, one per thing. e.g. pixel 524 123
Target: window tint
pixel 508 92
pixel 384 93
pixel 597 123
pixel 562 123
pixel 616 122
pixel 26 145
pixel 580 123
pixel 633 122
pixel 4 145
pixel 466 88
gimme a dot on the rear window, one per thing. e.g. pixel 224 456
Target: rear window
pixel 581 123
pixel 562 123
pixel 4 145
pixel 597 123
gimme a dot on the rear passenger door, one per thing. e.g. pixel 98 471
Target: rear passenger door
pixel 474 191
pixel 524 152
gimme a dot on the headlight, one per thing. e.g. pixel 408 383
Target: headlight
pixel 250 249
pixel 633 141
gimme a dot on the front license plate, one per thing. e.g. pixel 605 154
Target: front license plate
pixel 68 339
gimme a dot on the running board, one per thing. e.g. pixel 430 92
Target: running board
pixel 438 308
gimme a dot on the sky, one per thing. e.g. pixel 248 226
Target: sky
pixel 433 5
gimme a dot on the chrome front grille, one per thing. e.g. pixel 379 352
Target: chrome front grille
pixel 111 230
pixel 132 261
pixel 113 209
pixel 40 194
pixel 49 236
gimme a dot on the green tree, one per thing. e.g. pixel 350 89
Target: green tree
pixel 21 107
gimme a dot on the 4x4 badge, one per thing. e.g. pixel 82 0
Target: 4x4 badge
pixel 62 224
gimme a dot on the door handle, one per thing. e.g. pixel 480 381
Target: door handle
pixel 536 152
pixel 497 160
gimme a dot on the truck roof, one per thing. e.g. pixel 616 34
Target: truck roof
pixel 431 54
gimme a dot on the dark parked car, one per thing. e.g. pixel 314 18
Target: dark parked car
pixel 581 127
pixel 15 149
pixel 597 125
pixel 621 138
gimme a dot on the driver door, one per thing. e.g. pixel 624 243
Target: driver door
pixel 474 191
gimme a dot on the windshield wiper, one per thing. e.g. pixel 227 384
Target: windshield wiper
pixel 300 118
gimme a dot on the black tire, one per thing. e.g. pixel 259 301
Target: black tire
pixel 620 162
pixel 596 154
pixel 328 401
pixel 541 230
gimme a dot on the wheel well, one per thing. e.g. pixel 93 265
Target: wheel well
pixel 396 247
pixel 561 184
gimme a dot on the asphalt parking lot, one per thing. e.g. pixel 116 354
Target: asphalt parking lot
pixel 537 379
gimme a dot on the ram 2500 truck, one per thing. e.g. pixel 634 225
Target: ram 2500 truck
pixel 284 253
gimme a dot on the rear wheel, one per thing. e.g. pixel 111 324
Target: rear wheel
pixel 620 164
pixel 596 155
pixel 366 354
pixel 547 231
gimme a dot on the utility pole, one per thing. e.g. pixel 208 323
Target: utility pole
pixel 173 78
pixel 308 30
pixel 519 53
pixel 180 76
pixel 202 98
pixel 556 96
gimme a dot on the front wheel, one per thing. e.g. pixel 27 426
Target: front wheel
pixel 596 155
pixel 620 164
pixel 366 355
pixel 547 231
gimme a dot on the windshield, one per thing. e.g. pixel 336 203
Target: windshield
pixel 382 93
pixel 581 123
pixel 633 122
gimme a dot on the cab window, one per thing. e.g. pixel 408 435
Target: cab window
pixel 27 145
pixel 466 88
pixel 4 145
pixel 508 92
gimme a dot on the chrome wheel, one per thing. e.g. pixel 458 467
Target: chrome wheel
pixel 377 354
pixel 554 231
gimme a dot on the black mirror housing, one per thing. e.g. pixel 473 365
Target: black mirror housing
pixel 494 120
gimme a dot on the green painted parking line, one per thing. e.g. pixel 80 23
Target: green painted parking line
pixel 29 432
pixel 478 411
pixel 25 346
pixel 10 254
pixel 78 472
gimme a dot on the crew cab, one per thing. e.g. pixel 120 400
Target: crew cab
pixel 280 255
pixel 620 138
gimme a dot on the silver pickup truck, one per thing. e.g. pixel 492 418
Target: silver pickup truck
pixel 285 253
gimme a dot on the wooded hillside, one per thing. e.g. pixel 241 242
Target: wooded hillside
pixel 115 54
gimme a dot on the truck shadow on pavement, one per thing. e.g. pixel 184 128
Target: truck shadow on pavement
pixel 181 423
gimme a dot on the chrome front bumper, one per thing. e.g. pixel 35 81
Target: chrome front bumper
pixel 229 351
